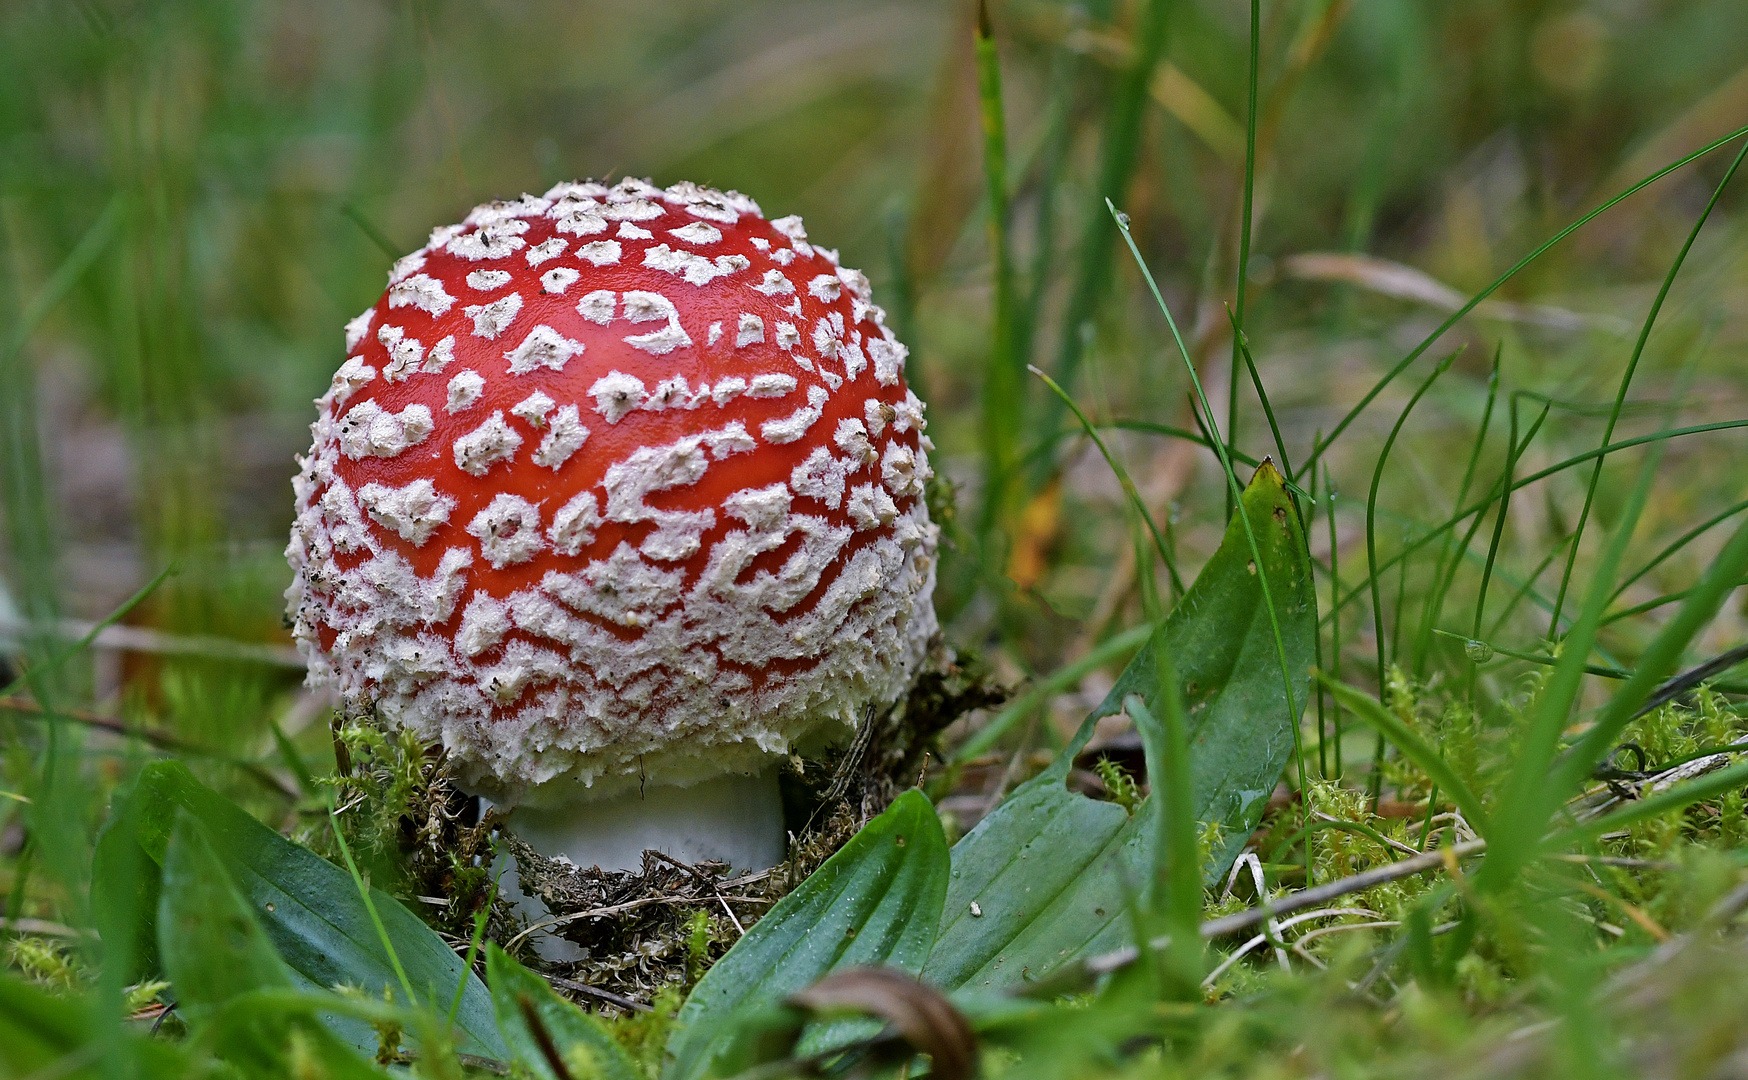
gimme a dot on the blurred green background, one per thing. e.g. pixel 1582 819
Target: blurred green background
pixel 194 197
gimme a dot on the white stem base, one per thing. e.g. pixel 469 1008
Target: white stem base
pixel 736 819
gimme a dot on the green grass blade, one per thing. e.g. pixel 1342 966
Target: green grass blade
pixel 1378 636
pixel 1677 544
pixel 1330 496
pixel 1372 511
pixel 115 616
pixel 372 233
pixel 1174 432
pixel 1122 139
pixel 82 258
pixel 1352 414
pixel 1542 474
pixel 1620 396
pixel 1177 882
pixel 1003 380
pixel 363 887
pixel 1652 604
pixel 288 753
pixel 1138 510
pixel 26 503
pixel 1268 409
pixel 1415 749
pixel 1709 786
pixel 1526 587
pixel 474 942
pixel 1244 253
pixel 1111 649
pixel 1513 450
pixel 1529 797
pixel 1317 659
pixel 1606 671
pixel 1294 704
pixel 1659 659
pixel 1054 158
pixel 1445 566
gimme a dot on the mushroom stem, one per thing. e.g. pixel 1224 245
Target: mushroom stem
pixel 735 819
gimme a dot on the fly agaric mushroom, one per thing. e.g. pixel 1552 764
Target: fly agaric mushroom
pixel 619 496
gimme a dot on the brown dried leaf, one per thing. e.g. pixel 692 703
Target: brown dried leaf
pixel 915 1012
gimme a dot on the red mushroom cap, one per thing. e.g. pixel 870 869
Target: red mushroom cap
pixel 616 483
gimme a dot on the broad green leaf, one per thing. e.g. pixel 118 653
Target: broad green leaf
pixel 583 1044
pixel 274 1032
pixel 309 908
pixel 215 953
pixel 46 1035
pixel 212 946
pixel 1053 874
pixel 876 902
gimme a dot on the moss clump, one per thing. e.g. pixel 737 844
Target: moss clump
pixel 641 931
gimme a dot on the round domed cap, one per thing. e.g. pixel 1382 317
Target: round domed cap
pixel 616 485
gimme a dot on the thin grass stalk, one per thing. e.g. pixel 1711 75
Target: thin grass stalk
pixel 1140 519
pixel 1415 749
pixel 1111 649
pixel 1093 264
pixel 474 941
pixel 1003 387
pixel 1528 588
pixel 1064 67
pixel 1322 695
pixel 1268 409
pixel 1207 411
pixel 1396 612
pixel 1676 545
pixel 1513 450
pixel 1651 605
pixel 1335 608
pixel 371 232
pixel 1353 828
pixel 1606 671
pixel 24 494
pixel 1659 659
pixel 1372 549
pixel 116 615
pixel 1352 414
pixel 1527 804
pixel 1620 396
pixel 1524 588
pixel 1172 431
pixel 1176 889
pixel 1441 584
pixel 901 294
pixel 370 905
pixel 1542 474
pixel 1244 245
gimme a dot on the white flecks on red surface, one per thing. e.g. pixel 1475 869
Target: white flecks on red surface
pixel 413 511
pixel 464 390
pixel 493 441
pixel 488 280
pixel 490 319
pixel 732 564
